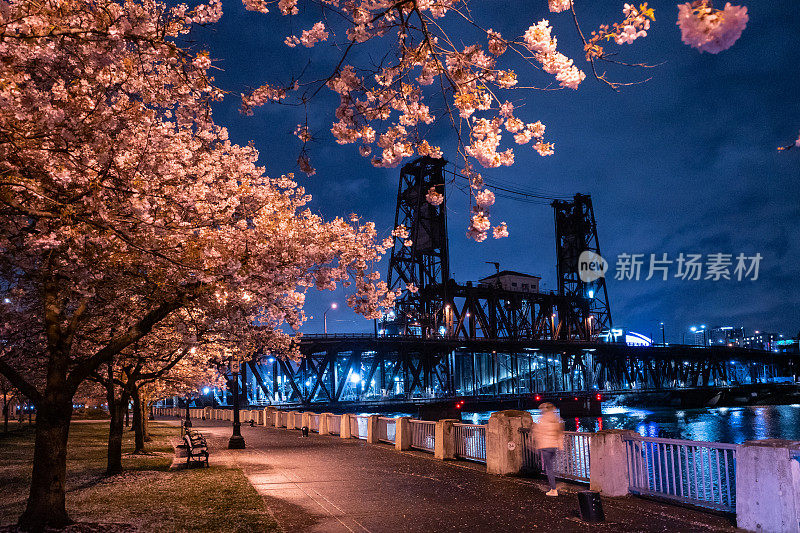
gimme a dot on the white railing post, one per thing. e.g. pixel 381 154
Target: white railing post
pixel 504 441
pixel 344 426
pixel 444 440
pixel 402 433
pixel 767 486
pixel 372 429
pixel 609 459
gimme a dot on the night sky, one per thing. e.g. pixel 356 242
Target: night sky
pixel 686 162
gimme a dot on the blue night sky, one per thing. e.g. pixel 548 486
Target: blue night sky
pixel 686 162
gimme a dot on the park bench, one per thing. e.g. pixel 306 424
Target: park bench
pixel 196 447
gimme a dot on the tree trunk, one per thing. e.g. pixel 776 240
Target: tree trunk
pixel 145 401
pixel 127 415
pixel 5 412
pixel 138 424
pixel 46 502
pixel 115 430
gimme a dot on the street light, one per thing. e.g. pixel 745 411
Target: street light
pixel 236 442
pixel 663 336
pixel 325 317
pixel 188 423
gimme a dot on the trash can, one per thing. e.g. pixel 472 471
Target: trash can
pixel 591 506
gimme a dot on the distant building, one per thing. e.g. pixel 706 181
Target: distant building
pixel 512 281
pixel 726 336
pixel 626 336
pixel 787 346
pixel 762 340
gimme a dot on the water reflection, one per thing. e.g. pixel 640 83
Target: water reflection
pixel 722 424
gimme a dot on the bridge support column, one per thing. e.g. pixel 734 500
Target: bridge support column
pixel 767 486
pixel 344 427
pixel 402 433
pixel 323 423
pixel 504 450
pixel 444 440
pixel 609 472
pixel 372 429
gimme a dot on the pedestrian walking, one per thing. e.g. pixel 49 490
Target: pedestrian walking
pixel 548 437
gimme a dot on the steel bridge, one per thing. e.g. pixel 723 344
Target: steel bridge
pixel 450 340
pixel 398 370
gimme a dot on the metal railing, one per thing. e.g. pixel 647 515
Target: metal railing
pixel 386 429
pixel 572 461
pixel 693 472
pixel 313 422
pixel 470 441
pixel 423 434
pixel 358 427
pixel 334 424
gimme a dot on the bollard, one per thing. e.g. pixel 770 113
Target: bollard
pixel 609 472
pixel 402 433
pixel 344 427
pixel 504 450
pixel 444 443
pixel 372 429
pixel 768 486
pixel 323 423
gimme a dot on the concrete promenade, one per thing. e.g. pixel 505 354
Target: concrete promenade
pixel 325 483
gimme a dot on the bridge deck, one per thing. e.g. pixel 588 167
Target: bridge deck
pixel 329 484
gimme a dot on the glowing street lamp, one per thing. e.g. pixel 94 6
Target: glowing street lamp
pixel 334 305
pixel 236 442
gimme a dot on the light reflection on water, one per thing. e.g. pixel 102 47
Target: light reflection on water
pixel 722 424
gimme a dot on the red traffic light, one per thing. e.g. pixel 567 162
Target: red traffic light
pixel 538 398
pixel 598 397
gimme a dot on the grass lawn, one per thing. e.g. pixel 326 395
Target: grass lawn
pixel 147 496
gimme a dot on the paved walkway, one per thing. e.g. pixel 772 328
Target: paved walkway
pixel 329 484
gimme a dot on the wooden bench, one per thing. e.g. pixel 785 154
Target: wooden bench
pixel 196 448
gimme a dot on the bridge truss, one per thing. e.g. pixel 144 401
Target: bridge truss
pixel 402 369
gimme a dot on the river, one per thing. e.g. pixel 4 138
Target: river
pixel 722 424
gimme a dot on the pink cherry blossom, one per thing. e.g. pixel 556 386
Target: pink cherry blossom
pixel 708 29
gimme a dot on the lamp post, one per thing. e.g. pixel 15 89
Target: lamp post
pixel 188 422
pixel 663 336
pixel 334 305
pixel 236 442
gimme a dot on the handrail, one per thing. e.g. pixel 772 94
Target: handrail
pixel 694 472
pixel 680 442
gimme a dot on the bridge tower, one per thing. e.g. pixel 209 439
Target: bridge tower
pixel 588 311
pixel 425 262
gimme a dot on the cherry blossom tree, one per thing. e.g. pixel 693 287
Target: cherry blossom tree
pixel 122 203
pixel 439 62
